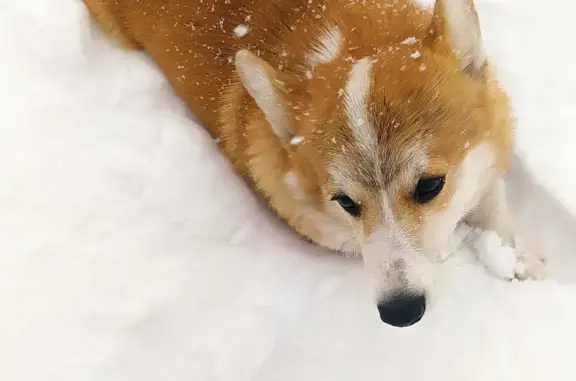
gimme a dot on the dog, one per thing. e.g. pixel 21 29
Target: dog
pixel 371 127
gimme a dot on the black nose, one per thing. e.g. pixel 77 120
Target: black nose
pixel 403 310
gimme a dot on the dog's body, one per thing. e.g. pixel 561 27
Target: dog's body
pixel 370 126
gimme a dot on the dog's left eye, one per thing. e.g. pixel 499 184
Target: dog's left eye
pixel 347 204
pixel 428 188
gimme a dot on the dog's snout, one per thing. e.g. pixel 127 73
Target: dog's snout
pixel 402 310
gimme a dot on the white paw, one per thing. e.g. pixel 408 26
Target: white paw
pixel 530 266
pixel 508 261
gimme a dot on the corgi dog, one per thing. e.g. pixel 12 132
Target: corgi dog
pixel 371 127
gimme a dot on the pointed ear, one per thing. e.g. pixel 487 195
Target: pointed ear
pixel 264 85
pixel 455 30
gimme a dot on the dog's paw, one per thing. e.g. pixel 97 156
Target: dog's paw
pixel 530 266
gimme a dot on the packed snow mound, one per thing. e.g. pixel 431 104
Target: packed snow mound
pixel 131 252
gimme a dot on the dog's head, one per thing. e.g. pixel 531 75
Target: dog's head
pixel 391 150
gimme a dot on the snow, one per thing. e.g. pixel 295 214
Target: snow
pixel 415 55
pixel 499 258
pixel 241 31
pixel 410 41
pixel 131 252
pixel 296 140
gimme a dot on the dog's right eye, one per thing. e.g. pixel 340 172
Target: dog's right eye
pixel 347 204
pixel 428 188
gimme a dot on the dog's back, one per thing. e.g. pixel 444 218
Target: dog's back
pixel 194 41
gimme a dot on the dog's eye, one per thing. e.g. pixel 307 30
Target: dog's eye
pixel 347 204
pixel 428 188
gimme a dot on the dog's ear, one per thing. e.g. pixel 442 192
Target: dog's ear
pixel 264 85
pixel 455 30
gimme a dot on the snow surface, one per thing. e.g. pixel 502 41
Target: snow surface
pixel 130 252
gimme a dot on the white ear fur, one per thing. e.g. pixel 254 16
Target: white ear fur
pixel 455 24
pixel 258 77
